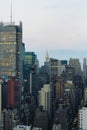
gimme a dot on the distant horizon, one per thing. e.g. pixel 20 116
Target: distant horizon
pixel 61 55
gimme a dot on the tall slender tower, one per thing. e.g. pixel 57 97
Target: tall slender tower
pixel 45 99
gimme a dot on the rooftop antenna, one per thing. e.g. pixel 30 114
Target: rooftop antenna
pixel 11 12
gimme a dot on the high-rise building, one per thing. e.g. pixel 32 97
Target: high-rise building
pixel 47 59
pixel 30 70
pixel 83 118
pixel 45 99
pixel 85 96
pixel 56 67
pixel 59 88
pixel 30 62
pixel 84 68
pixel 47 64
pixel 41 119
pixel 1 82
pixel 13 93
pixel 69 72
pixel 11 50
pixel 12 56
pixel 76 65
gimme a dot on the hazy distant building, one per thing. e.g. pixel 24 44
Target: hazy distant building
pixel 59 88
pixel 63 62
pixel 76 65
pixel 69 72
pixel 11 50
pixel 47 64
pixel 85 68
pixel 56 67
pixel 30 62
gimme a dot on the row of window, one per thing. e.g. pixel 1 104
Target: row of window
pixel 3 43
pixel 6 73
pixel 10 63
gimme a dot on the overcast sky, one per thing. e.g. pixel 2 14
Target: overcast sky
pixel 49 24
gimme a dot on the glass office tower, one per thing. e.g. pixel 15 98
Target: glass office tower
pixel 11 54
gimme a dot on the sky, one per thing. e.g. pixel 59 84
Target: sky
pixel 56 26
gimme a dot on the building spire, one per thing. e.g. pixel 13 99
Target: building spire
pixel 47 57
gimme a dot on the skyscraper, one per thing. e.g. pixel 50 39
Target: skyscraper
pixel 84 68
pixel 11 50
pixel 12 55
pixel 30 62
pixel 45 98
pixel 75 63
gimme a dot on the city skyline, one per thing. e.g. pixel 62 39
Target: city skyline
pixel 62 55
pixel 50 25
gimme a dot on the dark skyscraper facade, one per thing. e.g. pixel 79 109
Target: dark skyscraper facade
pixel 11 50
